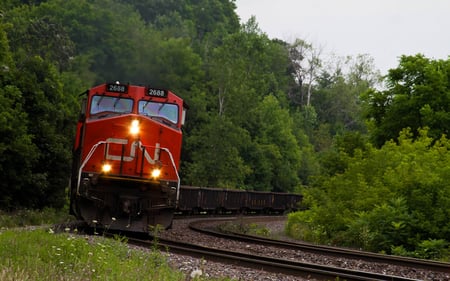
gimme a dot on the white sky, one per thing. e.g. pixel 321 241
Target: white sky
pixel 384 29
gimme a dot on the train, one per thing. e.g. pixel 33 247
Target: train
pixel 126 157
pixel 210 200
pixel 126 161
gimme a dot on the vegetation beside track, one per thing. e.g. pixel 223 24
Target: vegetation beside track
pixel 26 217
pixel 42 254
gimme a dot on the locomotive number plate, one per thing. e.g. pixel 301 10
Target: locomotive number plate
pixel 157 93
pixel 117 88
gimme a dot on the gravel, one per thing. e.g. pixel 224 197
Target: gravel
pixel 193 267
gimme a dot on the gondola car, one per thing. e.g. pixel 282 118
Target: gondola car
pixel 126 157
pixel 195 200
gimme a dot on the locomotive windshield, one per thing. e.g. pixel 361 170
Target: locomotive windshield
pixel 107 104
pixel 167 111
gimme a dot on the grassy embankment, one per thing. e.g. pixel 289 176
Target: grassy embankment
pixel 41 254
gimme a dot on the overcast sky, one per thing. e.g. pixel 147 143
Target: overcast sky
pixel 384 29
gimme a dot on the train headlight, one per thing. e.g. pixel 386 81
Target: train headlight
pixel 156 173
pixel 134 128
pixel 106 168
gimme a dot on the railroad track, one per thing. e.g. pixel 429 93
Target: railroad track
pixel 326 250
pixel 306 270
pixel 262 262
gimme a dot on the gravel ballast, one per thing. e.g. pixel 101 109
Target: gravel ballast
pixel 193 267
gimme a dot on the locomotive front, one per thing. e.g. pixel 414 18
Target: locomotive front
pixel 126 157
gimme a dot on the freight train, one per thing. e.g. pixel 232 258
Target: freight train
pixel 197 200
pixel 126 157
pixel 126 160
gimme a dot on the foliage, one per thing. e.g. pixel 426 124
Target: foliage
pixel 264 114
pixel 24 217
pixel 219 163
pixel 275 154
pixel 427 249
pixel 338 99
pixel 394 196
pixel 242 227
pixel 18 152
pixel 417 96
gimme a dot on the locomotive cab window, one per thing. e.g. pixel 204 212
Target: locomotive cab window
pixel 166 111
pixel 106 104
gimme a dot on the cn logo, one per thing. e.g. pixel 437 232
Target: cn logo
pixel 134 146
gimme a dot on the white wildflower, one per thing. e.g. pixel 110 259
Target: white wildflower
pixel 196 273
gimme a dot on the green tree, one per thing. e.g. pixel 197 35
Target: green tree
pixel 48 121
pixel 395 196
pixel 247 67
pixel 203 16
pixel 337 98
pixel 305 66
pixel 174 65
pixel 216 151
pixel 275 155
pixel 417 96
pixel 17 151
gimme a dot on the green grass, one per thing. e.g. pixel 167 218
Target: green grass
pixel 245 228
pixel 25 217
pixel 43 255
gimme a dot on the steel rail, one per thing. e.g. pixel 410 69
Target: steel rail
pixel 326 250
pixel 307 270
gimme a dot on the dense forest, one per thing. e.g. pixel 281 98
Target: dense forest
pixel 369 152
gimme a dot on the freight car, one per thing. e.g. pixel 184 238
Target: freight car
pixel 195 200
pixel 126 157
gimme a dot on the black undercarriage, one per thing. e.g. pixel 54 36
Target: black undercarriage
pixel 124 203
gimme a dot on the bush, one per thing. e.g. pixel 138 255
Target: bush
pixel 25 217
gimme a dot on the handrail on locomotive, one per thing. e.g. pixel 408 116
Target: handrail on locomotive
pixel 91 152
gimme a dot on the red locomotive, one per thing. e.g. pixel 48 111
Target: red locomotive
pixel 126 157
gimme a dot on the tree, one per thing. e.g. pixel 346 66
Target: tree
pixel 194 18
pixel 48 124
pixel 40 50
pixel 216 157
pixel 417 96
pixel 275 156
pixel 395 196
pixel 247 67
pixel 173 64
pixel 338 95
pixel 17 151
pixel 306 64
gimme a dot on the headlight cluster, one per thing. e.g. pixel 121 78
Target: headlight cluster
pixel 134 128
pixel 106 168
pixel 156 173
pixel 134 131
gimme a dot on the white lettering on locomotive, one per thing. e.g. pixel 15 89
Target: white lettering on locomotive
pixel 136 144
